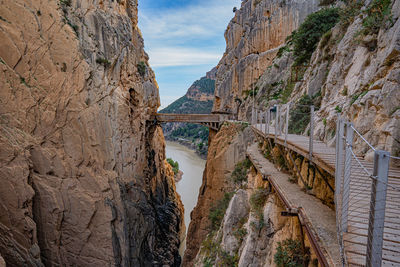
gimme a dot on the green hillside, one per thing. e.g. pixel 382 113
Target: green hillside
pixel 195 134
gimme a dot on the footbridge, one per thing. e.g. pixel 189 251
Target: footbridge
pixel 366 215
pixel 212 121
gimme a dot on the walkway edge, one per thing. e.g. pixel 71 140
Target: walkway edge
pixel 267 169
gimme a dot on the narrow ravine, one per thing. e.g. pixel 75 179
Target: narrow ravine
pixel 192 166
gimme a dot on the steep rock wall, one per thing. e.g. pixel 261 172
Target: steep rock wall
pixel 253 37
pixel 249 237
pixel 83 173
pixel 349 72
pixel 227 147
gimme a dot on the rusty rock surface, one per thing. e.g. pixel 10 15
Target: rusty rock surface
pixel 83 176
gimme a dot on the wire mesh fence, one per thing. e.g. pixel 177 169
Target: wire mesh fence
pixel 366 203
pixel 367 194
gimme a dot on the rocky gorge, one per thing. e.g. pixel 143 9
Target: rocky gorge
pixel 85 181
pixel 83 172
pixel 351 69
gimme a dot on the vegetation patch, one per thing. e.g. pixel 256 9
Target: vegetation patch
pixel 306 38
pixel 217 212
pixel 240 233
pixel 239 174
pixel 378 13
pixel 185 105
pixel 174 165
pixel 257 201
pixel 226 259
pixel 283 50
pixel 141 68
pixel 356 96
pixel 211 248
pixel 65 2
pixel 258 198
pixel 349 12
pixel 103 61
pixel 300 115
pixel 250 93
pixel 289 253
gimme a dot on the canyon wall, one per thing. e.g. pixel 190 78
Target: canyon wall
pixel 354 71
pixel 83 173
pixel 226 148
pixel 253 38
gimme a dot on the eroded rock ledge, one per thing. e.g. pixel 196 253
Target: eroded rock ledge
pixel 83 174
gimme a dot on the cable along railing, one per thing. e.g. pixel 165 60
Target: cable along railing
pixel 367 198
pixel 366 201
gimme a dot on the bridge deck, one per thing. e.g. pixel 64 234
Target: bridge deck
pixel 355 240
pixel 212 121
pixel 193 118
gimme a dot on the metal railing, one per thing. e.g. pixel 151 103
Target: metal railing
pixel 361 189
pixel 278 121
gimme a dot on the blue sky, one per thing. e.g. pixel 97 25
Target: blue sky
pixel 184 40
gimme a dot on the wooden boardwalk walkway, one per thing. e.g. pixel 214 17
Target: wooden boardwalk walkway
pixel 317 218
pixel 355 239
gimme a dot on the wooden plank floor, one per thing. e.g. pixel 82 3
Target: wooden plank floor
pixel 355 240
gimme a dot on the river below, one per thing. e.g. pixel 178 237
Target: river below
pixel 192 167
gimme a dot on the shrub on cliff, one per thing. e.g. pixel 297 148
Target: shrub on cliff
pixel 306 38
pixel 239 174
pixel 217 212
pixel 378 14
pixel 141 68
pixel 174 165
pixel 290 253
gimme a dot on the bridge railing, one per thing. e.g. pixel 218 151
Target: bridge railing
pixel 353 178
pixel 275 120
pixel 361 188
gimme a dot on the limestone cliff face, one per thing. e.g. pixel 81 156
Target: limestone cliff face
pixel 253 37
pixel 248 237
pixel 197 90
pixel 83 173
pixel 227 148
pixel 358 75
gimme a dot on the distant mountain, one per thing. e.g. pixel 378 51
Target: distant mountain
pixel 198 99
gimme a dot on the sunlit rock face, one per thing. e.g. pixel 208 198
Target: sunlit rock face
pixel 83 173
pixel 357 75
pixel 253 38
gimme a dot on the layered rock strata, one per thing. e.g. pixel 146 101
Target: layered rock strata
pixel 253 38
pixel 83 173
pixel 349 73
pixel 226 148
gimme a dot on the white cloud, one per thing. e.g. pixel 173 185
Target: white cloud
pixel 166 100
pixel 180 37
pixel 194 21
pixel 173 56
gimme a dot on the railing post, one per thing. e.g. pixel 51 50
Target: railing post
pixel 252 116
pixel 377 209
pixel 347 173
pixel 287 122
pixel 276 121
pixel 278 116
pixel 266 122
pixel 311 142
pixel 339 157
pixel 268 119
